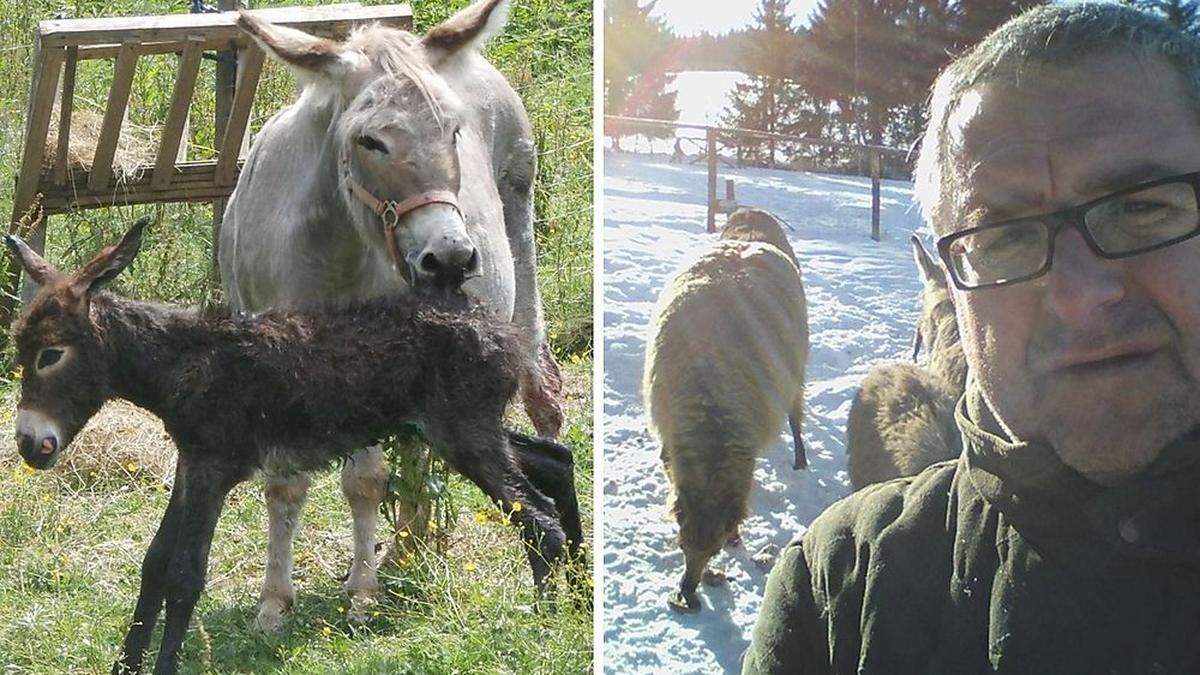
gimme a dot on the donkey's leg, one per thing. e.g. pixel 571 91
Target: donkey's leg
pixel 285 500
pixel 795 417
pixel 153 587
pixel 551 468
pixel 480 452
pixel 541 389
pixel 364 482
pixel 202 499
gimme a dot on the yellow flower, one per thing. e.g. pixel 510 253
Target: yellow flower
pixel 470 567
pixel 131 467
pixel 326 631
pixel 432 525
pixel 516 507
pixel 403 534
pixel 18 372
pixel 481 517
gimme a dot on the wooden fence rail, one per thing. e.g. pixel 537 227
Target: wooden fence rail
pixel 618 125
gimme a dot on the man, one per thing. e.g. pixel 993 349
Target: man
pixel 1059 171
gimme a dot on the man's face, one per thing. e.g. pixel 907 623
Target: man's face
pixel 1099 358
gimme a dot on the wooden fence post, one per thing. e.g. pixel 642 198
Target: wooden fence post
pixel 875 171
pixel 226 83
pixel 710 136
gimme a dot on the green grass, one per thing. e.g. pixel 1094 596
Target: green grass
pixel 70 549
pixel 71 552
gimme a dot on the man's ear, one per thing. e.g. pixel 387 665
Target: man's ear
pixel 110 262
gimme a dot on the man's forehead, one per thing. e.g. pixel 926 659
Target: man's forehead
pixel 1061 134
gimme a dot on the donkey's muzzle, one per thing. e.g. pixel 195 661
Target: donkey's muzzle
pixel 446 266
pixel 38 453
pixel 38 438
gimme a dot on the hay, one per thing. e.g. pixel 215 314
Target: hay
pixel 121 443
pixel 137 146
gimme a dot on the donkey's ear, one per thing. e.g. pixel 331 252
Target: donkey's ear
pixel 40 271
pixel 467 30
pixel 312 56
pixel 111 261
pixel 930 272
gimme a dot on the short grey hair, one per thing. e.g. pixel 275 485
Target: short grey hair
pixel 1049 35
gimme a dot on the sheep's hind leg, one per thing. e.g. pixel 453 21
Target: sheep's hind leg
pixel 364 483
pixel 684 599
pixel 285 500
pixel 795 416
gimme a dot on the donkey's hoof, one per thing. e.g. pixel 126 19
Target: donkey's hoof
pixel 362 607
pixel 272 613
pixel 713 578
pixel 684 603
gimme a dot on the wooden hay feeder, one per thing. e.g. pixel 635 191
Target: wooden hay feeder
pixel 66 184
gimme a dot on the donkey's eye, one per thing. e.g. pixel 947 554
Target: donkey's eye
pixel 372 143
pixel 48 357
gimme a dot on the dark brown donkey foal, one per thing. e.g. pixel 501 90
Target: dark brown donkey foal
pixel 289 391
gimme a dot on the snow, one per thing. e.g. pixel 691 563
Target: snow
pixel 862 299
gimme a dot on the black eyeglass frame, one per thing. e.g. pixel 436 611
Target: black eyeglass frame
pixel 1072 216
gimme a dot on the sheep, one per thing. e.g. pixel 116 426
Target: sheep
pixel 902 418
pixel 724 366
pixel 288 391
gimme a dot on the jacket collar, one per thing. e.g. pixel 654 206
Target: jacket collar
pixel 1155 515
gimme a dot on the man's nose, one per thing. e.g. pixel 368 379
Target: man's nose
pixel 1080 282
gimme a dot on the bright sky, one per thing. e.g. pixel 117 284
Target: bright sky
pixel 689 17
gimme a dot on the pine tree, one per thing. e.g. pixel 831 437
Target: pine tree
pixel 875 60
pixel 635 79
pixel 770 101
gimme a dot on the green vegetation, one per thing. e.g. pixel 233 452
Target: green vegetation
pixel 71 541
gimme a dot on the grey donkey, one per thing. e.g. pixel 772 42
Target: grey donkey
pixel 406 162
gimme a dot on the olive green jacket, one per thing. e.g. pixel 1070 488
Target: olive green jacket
pixel 1004 560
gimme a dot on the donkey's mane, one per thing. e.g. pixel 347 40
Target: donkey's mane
pixel 397 53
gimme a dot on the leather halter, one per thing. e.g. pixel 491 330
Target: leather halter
pixel 391 211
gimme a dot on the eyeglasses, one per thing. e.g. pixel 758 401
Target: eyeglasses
pixel 1130 222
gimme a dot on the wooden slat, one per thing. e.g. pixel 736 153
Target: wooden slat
pixel 66 106
pixel 181 101
pixel 250 62
pixel 37 124
pixel 114 114
pixel 193 181
pixel 219 26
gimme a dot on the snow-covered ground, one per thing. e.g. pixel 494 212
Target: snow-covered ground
pixel 862 299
